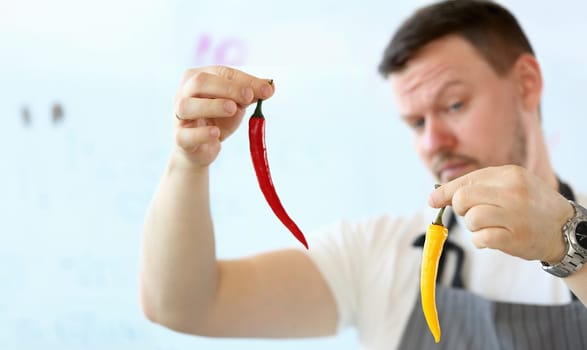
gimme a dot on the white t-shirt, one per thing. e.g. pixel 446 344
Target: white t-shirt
pixel 373 271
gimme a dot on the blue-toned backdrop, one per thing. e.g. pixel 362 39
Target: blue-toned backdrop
pixel 85 130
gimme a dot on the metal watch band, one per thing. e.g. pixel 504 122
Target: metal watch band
pixel 575 256
pixel 570 264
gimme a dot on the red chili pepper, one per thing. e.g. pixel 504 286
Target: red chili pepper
pixel 261 165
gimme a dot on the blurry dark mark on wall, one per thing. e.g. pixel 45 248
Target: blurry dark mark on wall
pixel 25 116
pixel 57 113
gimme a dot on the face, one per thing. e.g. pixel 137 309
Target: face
pixel 462 114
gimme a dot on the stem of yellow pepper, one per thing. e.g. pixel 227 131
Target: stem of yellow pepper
pixel 438 220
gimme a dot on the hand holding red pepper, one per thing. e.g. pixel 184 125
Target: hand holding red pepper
pixel 210 104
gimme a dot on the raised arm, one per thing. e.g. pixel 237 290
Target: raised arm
pixel 183 285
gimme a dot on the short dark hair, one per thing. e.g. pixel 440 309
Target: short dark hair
pixel 489 27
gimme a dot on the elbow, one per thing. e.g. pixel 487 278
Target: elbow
pixel 155 308
pixel 170 315
pixel 146 307
pixel 149 309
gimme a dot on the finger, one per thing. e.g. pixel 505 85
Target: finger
pixel 484 216
pixel 470 196
pixel 262 88
pixel 206 85
pixel 215 81
pixel 189 108
pixel 491 237
pixel 190 139
pixel 443 195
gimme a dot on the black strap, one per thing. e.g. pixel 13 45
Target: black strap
pixel 565 190
pixel 450 247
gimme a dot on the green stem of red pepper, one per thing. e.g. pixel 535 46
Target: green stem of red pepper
pixel 261 165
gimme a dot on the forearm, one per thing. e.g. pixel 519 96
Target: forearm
pixel 577 282
pixel 178 263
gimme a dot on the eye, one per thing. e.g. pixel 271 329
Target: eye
pixel 455 107
pixel 416 123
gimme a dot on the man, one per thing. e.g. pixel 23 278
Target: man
pixel 469 86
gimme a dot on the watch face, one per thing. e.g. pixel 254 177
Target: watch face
pixel 581 234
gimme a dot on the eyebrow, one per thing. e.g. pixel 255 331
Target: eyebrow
pixel 445 86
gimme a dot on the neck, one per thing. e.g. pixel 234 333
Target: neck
pixel 537 157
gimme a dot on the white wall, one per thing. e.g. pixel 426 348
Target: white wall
pixel 73 194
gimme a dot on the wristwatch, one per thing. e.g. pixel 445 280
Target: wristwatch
pixel 575 235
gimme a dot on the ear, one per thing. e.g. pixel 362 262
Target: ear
pixel 529 79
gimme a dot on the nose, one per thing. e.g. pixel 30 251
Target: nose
pixel 438 136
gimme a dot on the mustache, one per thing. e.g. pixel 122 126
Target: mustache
pixel 442 159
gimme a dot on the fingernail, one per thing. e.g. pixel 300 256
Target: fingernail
pixel 214 132
pixel 229 107
pixel 247 94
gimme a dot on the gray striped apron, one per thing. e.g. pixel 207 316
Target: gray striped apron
pixel 470 322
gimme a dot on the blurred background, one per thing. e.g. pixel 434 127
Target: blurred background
pixel 86 94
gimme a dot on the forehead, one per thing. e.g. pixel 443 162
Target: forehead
pixel 451 58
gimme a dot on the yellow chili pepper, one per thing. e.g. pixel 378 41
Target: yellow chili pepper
pixel 436 235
